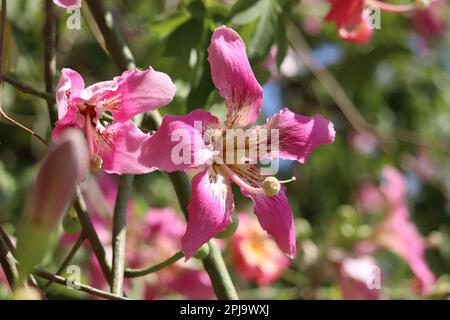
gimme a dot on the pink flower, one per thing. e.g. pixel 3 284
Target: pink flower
pixel 397 233
pixel 432 22
pixel 351 18
pixel 68 3
pixel 114 146
pixel 359 278
pixel 255 255
pixel 203 138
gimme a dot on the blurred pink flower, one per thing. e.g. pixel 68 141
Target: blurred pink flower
pixel 369 198
pixel 68 3
pixel 363 142
pixel 116 146
pixel 432 22
pixel 351 18
pixel 212 200
pixel 359 278
pixel 397 233
pixel 255 255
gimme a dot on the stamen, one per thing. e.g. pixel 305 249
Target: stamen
pixel 89 134
pixel 241 183
pixel 272 185
pixel 289 180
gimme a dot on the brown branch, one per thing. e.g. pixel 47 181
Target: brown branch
pixel 2 112
pixel 68 259
pixel 25 88
pixel 78 286
pixel 50 55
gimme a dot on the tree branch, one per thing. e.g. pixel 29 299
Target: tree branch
pixel 50 55
pixel 119 233
pixel 78 286
pixel 68 259
pixel 25 88
pixel 135 273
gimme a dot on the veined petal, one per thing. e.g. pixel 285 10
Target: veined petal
pixel 291 136
pixel 140 91
pixel 98 90
pixel 275 216
pixel 209 210
pixel 69 86
pixel 179 144
pixel 233 76
pixel 119 146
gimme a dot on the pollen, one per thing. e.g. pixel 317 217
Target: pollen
pixel 272 185
pixel 96 162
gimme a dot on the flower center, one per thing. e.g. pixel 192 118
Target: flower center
pixel 270 186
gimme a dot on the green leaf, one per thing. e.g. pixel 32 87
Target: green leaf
pixel 248 14
pixel 184 38
pixel 197 9
pixel 200 92
pixel 264 34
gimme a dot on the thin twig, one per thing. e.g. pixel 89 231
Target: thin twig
pixel 50 55
pixel 67 260
pixel 2 112
pixel 8 262
pixel 135 273
pixel 91 234
pixel 119 233
pixel 346 105
pixel 25 88
pixel 78 286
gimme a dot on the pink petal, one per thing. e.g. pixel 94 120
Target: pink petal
pixel 346 13
pixel 298 135
pixel 69 85
pixel 98 90
pixel 275 216
pixel 354 275
pixel 142 91
pixel 393 186
pixel 119 146
pixel 209 210
pixel 178 145
pixel 68 3
pixel 233 76
pixel 162 222
pixel 192 283
pixel 402 237
pixel 256 256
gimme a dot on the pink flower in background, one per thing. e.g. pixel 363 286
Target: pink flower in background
pixel 151 239
pixel 369 198
pixel 212 201
pixel 359 278
pixel 432 22
pixel 255 255
pixel 68 3
pixel 363 142
pixel 351 19
pixel 397 233
pixel 115 146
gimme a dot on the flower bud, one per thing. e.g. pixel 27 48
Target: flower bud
pixel 60 172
